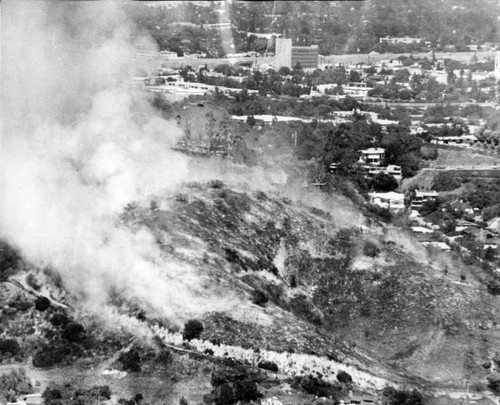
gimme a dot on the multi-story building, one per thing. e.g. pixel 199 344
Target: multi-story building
pixel 289 55
pixel 306 56
pixel 283 54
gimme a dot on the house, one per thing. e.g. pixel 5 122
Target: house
pixel 494 224
pixel 360 400
pixel 461 205
pixel 421 229
pixel 356 90
pixel 391 200
pixel 421 197
pixel 394 170
pixel 439 245
pixel 400 40
pixel 492 243
pixel 462 225
pixel 372 156
pixel 480 234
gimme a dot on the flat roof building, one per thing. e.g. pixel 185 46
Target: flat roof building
pixel 288 55
pixel 306 56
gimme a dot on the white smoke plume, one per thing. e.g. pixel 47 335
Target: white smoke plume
pixel 77 146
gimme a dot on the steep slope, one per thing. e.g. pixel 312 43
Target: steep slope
pixel 424 316
pixel 294 279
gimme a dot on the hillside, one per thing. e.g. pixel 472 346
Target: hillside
pixel 360 294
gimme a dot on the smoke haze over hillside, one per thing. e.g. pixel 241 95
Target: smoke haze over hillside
pixel 77 146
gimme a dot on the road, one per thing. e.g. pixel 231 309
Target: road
pixel 410 104
pixel 461 168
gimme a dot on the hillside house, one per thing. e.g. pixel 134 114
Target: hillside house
pixel 462 225
pixel 421 197
pixel 356 90
pixel 438 245
pixel 372 156
pixel 480 234
pixel 391 200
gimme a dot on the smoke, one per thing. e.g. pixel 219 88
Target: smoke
pixel 77 145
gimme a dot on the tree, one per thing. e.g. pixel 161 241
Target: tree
pixel 284 71
pixel 259 298
pixel 192 329
pixel 73 332
pixel 490 254
pixel 9 346
pixel 354 76
pixel 42 303
pixel 251 120
pixel 344 377
pixel 384 182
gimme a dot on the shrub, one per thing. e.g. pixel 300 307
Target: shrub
pixel 182 198
pixel 59 319
pixel 259 298
pixel 73 332
pixel 13 384
pixel 494 287
pixel 268 365
pixel 47 357
pixel 382 213
pixel 164 356
pixel 315 386
pixel 192 329
pixel 402 397
pixel 130 360
pixel 344 377
pixel 260 195
pixel 371 249
pixel 494 382
pixel 52 394
pixel 251 120
pixel 42 303
pixel 9 346
pixel 215 184
pixel 32 281
pixel 384 182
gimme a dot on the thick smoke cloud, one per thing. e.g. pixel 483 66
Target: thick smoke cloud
pixel 78 145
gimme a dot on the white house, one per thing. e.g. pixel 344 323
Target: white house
pixel 391 200
pixel 372 156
